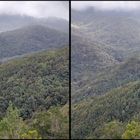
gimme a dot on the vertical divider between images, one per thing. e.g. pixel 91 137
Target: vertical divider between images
pixel 69 69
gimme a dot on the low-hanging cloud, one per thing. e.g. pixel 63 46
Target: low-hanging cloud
pixel 107 5
pixel 37 9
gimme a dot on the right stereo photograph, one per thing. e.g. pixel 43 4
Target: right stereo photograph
pixel 105 51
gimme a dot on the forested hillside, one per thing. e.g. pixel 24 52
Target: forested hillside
pixel 105 74
pixel 112 77
pixel 34 96
pixel 30 39
pixel 120 104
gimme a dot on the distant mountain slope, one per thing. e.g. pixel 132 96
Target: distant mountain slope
pixel 120 104
pixel 35 82
pixel 30 39
pixel 55 23
pixel 116 30
pixel 89 56
pixel 12 22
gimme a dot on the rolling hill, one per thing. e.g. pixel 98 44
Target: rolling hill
pixel 30 39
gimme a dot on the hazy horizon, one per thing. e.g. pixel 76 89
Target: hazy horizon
pixel 37 9
pixel 107 5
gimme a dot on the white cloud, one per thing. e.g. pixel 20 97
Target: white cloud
pixel 107 5
pixel 35 8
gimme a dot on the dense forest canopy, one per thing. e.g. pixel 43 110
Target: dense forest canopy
pixel 37 88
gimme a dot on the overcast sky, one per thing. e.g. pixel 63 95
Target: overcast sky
pixel 36 8
pixel 107 5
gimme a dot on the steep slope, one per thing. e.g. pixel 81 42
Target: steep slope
pixel 107 79
pixel 120 104
pixel 30 39
pixel 88 56
pixel 35 82
pixel 105 74
pixel 100 41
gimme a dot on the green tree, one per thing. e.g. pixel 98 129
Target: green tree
pixel 31 134
pixel 132 130
pixel 11 126
pixel 111 130
pixel 51 124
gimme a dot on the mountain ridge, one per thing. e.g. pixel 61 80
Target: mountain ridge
pixel 30 39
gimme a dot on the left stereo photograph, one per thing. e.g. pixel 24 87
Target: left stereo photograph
pixel 34 69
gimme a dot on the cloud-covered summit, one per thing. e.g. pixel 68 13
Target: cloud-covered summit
pixel 35 8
